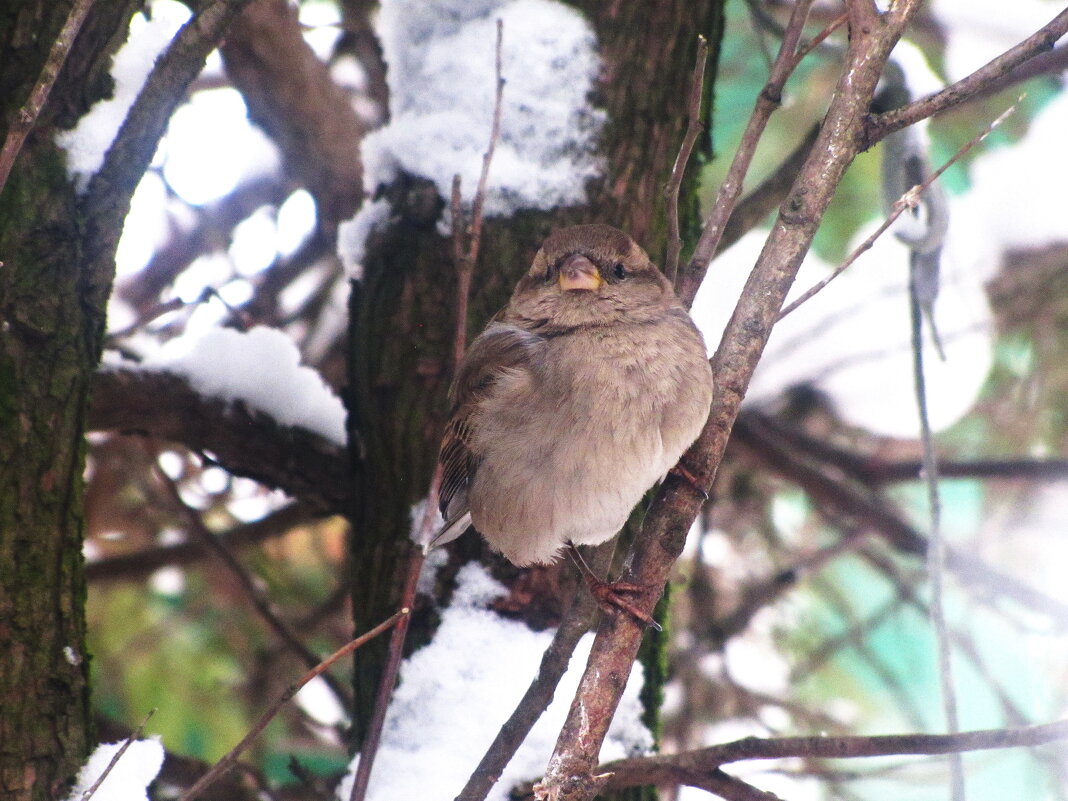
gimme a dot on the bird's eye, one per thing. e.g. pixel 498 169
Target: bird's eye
pixel 619 271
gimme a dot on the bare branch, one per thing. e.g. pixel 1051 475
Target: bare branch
pixel 292 96
pixel 677 503
pixel 768 101
pixel 227 762
pixel 108 196
pixel 879 125
pixel 692 767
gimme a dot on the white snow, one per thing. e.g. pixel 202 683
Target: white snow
pixel 1018 195
pixel 128 780
pixel 260 367
pixel 440 58
pixel 455 693
pixel 920 77
pixel 352 235
pixel 442 82
pixel 88 142
pixel 296 221
pixel 319 702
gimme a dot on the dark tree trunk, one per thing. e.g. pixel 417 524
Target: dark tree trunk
pixel 58 251
pixel 50 336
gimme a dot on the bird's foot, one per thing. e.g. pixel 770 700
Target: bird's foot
pixel 689 478
pixel 609 598
pixel 609 593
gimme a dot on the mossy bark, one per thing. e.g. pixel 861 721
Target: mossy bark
pixel 402 309
pixel 51 324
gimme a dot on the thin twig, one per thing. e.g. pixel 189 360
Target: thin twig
pixel 464 259
pixel 373 738
pixel 694 126
pixel 936 548
pixel 909 200
pixel 770 98
pixel 819 38
pixel 26 117
pixel 463 275
pixel 487 157
pixel 118 755
pixel 224 764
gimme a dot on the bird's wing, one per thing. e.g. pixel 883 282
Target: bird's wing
pixel 498 349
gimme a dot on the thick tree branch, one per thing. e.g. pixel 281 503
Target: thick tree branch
pixel 245 442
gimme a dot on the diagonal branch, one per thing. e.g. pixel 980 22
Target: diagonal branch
pixel 292 96
pixel 27 115
pixel 108 196
pixel 877 126
pixel 570 771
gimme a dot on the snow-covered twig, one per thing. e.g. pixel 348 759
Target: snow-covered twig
pixel 135 734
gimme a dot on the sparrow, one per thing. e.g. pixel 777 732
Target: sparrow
pixel 583 392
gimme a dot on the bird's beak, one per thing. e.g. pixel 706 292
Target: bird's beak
pixel 578 272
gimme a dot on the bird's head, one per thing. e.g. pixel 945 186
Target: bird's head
pixel 590 275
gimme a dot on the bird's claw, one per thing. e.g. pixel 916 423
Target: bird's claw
pixel 690 479
pixel 608 595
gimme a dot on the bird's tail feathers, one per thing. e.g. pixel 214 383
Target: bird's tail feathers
pixel 448 532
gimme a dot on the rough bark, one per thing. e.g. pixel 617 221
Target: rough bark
pixel 58 253
pixel 49 345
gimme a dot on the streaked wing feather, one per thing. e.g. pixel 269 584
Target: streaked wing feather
pixel 497 349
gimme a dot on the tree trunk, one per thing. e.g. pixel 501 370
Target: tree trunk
pixel 53 297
